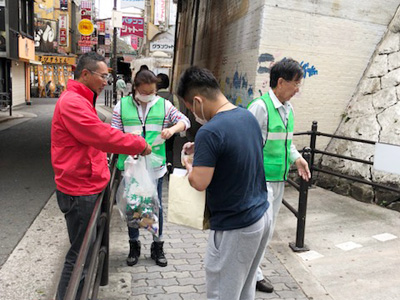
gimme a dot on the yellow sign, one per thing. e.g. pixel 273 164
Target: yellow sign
pixel 47 59
pixel 85 27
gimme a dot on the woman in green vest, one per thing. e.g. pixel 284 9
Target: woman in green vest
pixel 156 120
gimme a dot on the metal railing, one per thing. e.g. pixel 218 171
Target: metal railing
pixel 108 98
pixel 309 154
pixel 98 230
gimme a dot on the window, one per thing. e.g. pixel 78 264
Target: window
pixel 26 25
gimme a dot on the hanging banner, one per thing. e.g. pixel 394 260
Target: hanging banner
pixel 63 30
pixel 132 26
pixel 64 5
pixel 132 3
pixel 159 12
pixel 134 42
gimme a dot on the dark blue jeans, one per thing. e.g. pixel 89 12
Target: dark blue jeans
pixel 77 211
pixel 134 232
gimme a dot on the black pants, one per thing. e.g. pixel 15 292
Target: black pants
pixel 77 211
pixel 169 148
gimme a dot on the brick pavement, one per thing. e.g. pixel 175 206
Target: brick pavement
pixel 184 277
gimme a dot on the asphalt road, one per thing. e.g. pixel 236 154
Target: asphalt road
pixel 26 175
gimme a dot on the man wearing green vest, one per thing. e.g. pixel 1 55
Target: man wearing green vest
pixel 156 120
pixel 274 114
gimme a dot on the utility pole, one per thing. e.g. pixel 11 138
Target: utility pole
pixel 114 59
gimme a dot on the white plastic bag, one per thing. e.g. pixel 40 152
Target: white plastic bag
pixel 137 197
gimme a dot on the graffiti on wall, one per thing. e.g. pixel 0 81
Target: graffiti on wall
pixel 265 62
pixel 237 88
pixel 308 70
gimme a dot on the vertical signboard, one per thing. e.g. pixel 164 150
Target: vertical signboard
pixel 159 12
pixel 63 30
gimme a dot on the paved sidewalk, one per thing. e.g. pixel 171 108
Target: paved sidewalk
pixel 33 269
pixel 184 277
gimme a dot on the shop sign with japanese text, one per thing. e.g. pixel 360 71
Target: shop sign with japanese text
pixel 50 59
pixel 132 26
pixel 167 47
pixel 63 30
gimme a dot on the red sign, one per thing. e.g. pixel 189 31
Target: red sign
pixel 63 33
pixel 86 13
pixel 63 36
pixel 134 42
pixel 132 26
pixel 101 27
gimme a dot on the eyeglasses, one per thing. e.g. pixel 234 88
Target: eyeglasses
pixel 297 84
pixel 103 76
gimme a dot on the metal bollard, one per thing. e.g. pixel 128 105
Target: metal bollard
pixel 299 246
pixel 313 140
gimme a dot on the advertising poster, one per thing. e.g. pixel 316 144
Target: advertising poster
pixel 45 35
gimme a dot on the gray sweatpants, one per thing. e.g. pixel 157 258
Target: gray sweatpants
pixel 232 259
pixel 275 196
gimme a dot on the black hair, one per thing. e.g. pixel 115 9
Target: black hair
pixel 143 67
pixel 288 69
pixel 89 62
pixel 164 81
pixel 143 77
pixel 200 81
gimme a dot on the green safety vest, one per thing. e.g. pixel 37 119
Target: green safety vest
pixel 277 145
pixel 151 129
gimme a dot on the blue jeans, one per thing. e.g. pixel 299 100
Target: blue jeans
pixel 134 232
pixel 77 211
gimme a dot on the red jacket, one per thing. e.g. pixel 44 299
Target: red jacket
pixel 80 141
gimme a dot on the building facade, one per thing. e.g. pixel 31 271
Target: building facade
pixel 55 46
pixel 16 50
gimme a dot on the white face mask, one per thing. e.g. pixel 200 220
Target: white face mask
pixel 199 120
pixel 144 98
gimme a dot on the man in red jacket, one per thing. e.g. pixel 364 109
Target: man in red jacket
pixel 79 143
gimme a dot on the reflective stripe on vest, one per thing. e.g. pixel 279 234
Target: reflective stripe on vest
pixel 151 130
pixel 277 146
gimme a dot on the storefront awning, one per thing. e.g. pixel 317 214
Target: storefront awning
pixel 35 62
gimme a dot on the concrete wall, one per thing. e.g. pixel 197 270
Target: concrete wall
pixel 240 39
pixel 334 41
pixel 18 82
pixel 227 42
